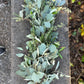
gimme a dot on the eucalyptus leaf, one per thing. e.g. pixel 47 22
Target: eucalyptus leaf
pixel 31 83
pixel 23 63
pixel 53 55
pixel 30 36
pixel 54 35
pixel 52 48
pixel 44 65
pixel 42 48
pixel 40 74
pixel 41 59
pixel 28 78
pixel 57 66
pixel 20 54
pixel 30 70
pixel 38 32
pixel 47 24
pixel 42 29
pixel 22 67
pixel 38 51
pixel 26 1
pixel 26 10
pixel 49 17
pixel 60 2
pixel 39 68
pixel 46 82
pixel 27 47
pixel 34 54
pixel 21 73
pixel 53 62
pixel 45 11
pixel 19 48
pixel 57 76
pixel 53 10
pixel 37 39
pixel 37 76
pixel 39 3
pixel 21 13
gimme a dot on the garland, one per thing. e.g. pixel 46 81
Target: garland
pixel 42 46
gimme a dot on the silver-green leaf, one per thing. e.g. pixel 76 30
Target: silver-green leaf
pixel 20 54
pixel 37 76
pixel 52 48
pixel 42 48
pixel 47 24
pixel 21 73
pixel 21 13
pixel 19 48
pixel 30 36
pixel 39 3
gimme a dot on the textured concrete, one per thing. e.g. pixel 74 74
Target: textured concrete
pixel 5 39
pixel 19 30
pixel 62 17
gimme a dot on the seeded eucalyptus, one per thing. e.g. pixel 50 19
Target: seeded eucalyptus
pixel 42 44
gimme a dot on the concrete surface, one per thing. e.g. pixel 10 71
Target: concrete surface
pixel 19 30
pixel 5 39
pixel 62 17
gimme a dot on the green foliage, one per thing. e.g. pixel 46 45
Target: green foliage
pixel 52 48
pixel 62 49
pixel 79 3
pixel 82 58
pixel 73 1
pixel 47 24
pixel 74 33
pixel 19 48
pixel 71 64
pixel 20 54
pixel 42 46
